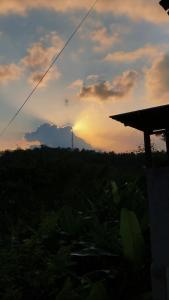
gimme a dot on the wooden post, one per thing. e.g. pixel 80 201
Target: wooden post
pixel 147 145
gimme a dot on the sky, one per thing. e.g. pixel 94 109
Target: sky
pixel 117 62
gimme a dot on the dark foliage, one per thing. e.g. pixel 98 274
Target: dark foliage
pixel 62 222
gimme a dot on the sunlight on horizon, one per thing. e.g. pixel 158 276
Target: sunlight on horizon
pixel 115 64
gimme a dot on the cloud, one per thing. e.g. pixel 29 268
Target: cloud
pixel 54 39
pixel 76 84
pixel 157 80
pixel 54 136
pixel 90 80
pixel 39 56
pixel 140 10
pixel 93 77
pixel 35 63
pixel 148 51
pixel 103 39
pixel 9 72
pixel 35 77
pixel 106 90
pixel 42 52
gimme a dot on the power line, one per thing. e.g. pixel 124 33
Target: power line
pixel 49 68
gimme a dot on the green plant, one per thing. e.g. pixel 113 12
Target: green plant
pixel 132 238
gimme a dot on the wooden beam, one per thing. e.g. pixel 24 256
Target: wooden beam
pixel 158 132
pixel 164 4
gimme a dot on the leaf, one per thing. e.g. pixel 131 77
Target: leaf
pixel 115 193
pixel 132 238
pixel 98 292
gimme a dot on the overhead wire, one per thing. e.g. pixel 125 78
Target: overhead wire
pixel 48 69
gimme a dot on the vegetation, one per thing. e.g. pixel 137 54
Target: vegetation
pixel 73 226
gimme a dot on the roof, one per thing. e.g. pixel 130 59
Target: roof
pixel 151 119
pixel 164 4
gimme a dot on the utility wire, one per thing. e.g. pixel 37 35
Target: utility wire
pixel 48 69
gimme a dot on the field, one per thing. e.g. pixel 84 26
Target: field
pixel 73 226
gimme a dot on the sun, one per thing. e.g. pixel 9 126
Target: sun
pixel 80 127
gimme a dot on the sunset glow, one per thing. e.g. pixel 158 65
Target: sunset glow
pixel 117 62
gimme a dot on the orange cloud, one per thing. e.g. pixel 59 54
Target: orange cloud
pixel 76 84
pixel 148 51
pixel 103 39
pixel 106 90
pixel 9 72
pixel 39 57
pixel 35 77
pixel 157 80
pixel 140 10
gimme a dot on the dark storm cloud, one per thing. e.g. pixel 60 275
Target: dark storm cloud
pixel 54 136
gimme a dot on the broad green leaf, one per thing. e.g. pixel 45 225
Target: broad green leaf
pixel 132 238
